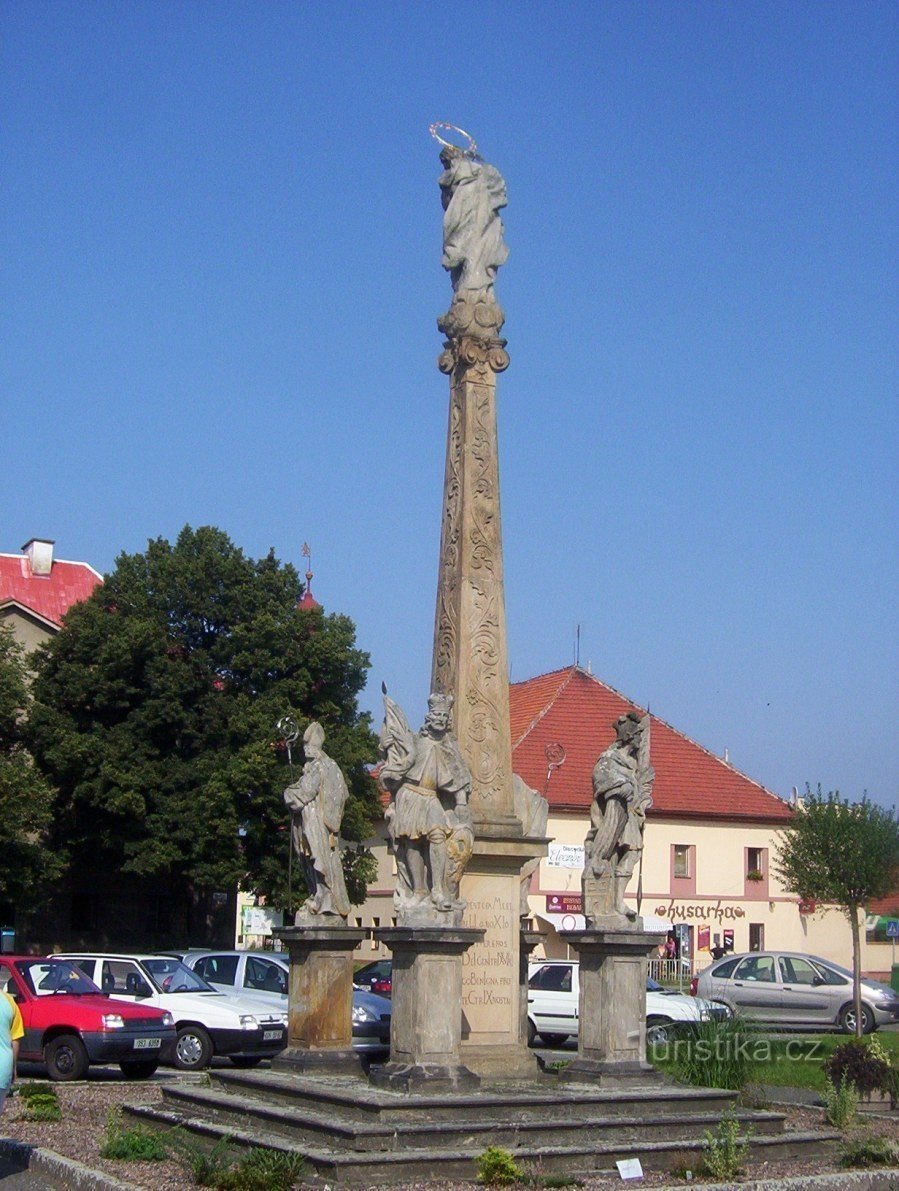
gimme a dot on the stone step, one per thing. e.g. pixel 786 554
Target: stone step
pixel 355 1099
pixel 316 1125
pixel 385 1167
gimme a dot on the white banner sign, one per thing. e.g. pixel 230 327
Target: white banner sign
pixel 566 856
pixel 257 920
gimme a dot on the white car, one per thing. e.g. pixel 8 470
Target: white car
pixel 553 992
pixel 208 1021
pixel 266 975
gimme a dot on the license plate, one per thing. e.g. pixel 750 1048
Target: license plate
pixel 271 1036
pixel 147 1043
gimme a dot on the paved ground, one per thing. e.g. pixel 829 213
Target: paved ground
pixel 14 1179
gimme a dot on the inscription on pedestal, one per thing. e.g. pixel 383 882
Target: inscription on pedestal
pixel 489 972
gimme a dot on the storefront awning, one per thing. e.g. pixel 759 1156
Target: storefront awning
pixel 651 922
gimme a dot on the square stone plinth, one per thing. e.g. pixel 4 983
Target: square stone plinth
pixel 320 1000
pixel 426 1022
pixel 612 1007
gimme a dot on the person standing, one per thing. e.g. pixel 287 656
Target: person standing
pixel 11 1031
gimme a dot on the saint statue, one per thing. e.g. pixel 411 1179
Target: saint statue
pixel 622 793
pixel 428 820
pixel 319 796
pixel 473 193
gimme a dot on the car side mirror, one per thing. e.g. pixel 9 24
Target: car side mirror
pixel 817 981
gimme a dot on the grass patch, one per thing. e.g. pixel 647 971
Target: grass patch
pixel 40 1103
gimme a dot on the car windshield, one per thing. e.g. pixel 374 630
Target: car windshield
pixel 171 976
pixel 825 964
pixel 47 977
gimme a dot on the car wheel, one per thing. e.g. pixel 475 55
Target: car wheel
pixel 659 1029
pixel 532 1033
pixel 553 1039
pixel 847 1019
pixel 193 1048
pixel 246 1060
pixel 66 1057
pixel 138 1068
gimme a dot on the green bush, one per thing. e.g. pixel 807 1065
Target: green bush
pixel 27 1090
pixel 714 1054
pixel 130 1145
pixel 870 1151
pixel 725 1149
pixel 207 1167
pixel 263 1170
pixel 42 1106
pixel 840 1103
pixel 497 1168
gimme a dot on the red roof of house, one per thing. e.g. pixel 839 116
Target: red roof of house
pixel 887 906
pixel 47 596
pixel 572 708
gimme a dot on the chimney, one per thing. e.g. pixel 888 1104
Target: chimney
pixel 39 552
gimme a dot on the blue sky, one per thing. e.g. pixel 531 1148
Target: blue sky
pixel 220 234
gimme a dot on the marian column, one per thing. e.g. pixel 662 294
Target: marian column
pixel 470 660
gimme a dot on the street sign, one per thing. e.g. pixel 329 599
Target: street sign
pixel 893 928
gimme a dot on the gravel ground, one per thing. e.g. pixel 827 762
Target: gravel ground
pixel 85 1108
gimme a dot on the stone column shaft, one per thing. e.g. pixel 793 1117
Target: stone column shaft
pixel 470 658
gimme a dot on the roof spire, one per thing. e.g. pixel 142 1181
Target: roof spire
pixel 308 600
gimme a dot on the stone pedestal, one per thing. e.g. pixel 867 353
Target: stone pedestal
pixel 612 1007
pixel 528 939
pixel 320 1000
pixel 492 1044
pixel 426 1024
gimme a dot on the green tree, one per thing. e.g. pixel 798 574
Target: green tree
pixel 155 713
pixel 842 852
pixel 27 865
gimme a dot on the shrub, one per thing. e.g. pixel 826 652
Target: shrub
pixel 42 1105
pixel 263 1170
pixel 870 1151
pixel 130 1145
pixel 840 1103
pixel 860 1063
pixel 27 1090
pixel 725 1149
pixel 497 1168
pixel 207 1167
pixel 715 1054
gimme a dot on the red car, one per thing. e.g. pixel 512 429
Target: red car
pixel 69 1023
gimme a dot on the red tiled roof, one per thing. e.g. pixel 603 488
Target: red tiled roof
pixel 572 708
pixel 48 596
pixel 887 906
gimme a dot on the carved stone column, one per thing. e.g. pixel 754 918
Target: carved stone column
pixel 470 662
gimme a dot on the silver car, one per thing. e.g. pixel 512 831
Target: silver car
pixel 795 991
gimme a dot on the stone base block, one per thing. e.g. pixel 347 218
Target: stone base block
pixel 424 1079
pixel 300 1061
pixel 620 1076
pixel 502 1061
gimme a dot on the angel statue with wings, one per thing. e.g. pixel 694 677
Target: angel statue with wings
pixel 428 820
pixel 622 793
pixel 319 796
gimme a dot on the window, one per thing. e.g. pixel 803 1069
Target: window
pixel 757 968
pixel 682 860
pixel 830 976
pixel 756 936
pixel 220 969
pixel 756 864
pixel 552 978
pixel 797 971
pixel 265 976
pixel 725 970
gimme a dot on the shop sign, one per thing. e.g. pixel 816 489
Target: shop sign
pixel 704 911
pixel 563 903
pixel 565 856
pixel 703 942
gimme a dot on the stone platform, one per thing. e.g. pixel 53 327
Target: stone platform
pixel 351 1133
